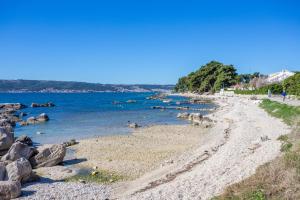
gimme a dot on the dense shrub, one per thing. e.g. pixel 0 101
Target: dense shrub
pixel 292 84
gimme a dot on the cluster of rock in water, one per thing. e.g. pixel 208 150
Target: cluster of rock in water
pixel 196 119
pixel 18 156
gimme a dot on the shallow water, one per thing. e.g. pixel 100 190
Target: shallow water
pixel 83 115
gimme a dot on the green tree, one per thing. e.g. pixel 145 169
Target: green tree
pixel 209 78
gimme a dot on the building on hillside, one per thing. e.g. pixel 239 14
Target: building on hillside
pixel 279 76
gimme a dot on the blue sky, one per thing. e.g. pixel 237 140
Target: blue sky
pixel 153 41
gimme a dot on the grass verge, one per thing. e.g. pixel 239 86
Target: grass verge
pixel 283 111
pixel 280 178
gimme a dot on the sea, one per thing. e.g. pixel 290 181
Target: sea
pixel 85 115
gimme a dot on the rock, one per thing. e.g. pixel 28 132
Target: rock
pixel 31 120
pixel 19 170
pixel 82 181
pixel 23 123
pixel 7 122
pixel 183 115
pixel 195 117
pixel 19 150
pixel 25 140
pixel 36 105
pixel 6 138
pixel 264 138
pixel 10 190
pixel 95 167
pixel 42 117
pixel 182 108
pixel 70 143
pixel 133 125
pixel 2 171
pixel 159 107
pixel 49 156
pixel 16 106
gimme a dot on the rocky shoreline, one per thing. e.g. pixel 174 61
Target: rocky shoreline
pixel 18 155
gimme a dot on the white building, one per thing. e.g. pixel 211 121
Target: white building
pixel 279 76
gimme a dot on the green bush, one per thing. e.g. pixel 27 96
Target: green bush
pixel 292 84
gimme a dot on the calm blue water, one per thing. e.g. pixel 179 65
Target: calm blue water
pixel 89 114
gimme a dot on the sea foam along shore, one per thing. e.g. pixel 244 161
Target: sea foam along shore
pixel 228 153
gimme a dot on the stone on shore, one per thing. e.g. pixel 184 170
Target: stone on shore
pixel 25 140
pixel 19 150
pixel 6 138
pixel 49 156
pixel 19 170
pixel 10 190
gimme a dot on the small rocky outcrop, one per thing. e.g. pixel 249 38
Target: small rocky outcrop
pixel 183 115
pixel 49 156
pixel 10 190
pixel 19 150
pixel 48 104
pixel 25 140
pixel 19 170
pixel 15 106
pixel 196 119
pixel 41 118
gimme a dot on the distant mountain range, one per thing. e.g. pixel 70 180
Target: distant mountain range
pixel 72 86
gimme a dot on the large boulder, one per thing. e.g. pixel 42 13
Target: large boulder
pixel 19 150
pixel 10 190
pixel 49 156
pixel 25 140
pixel 6 138
pixel 19 170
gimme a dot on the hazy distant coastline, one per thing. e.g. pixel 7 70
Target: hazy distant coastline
pixel 42 86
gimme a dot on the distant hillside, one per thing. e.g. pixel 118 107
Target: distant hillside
pixel 71 86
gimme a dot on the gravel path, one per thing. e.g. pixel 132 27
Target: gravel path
pixel 46 190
